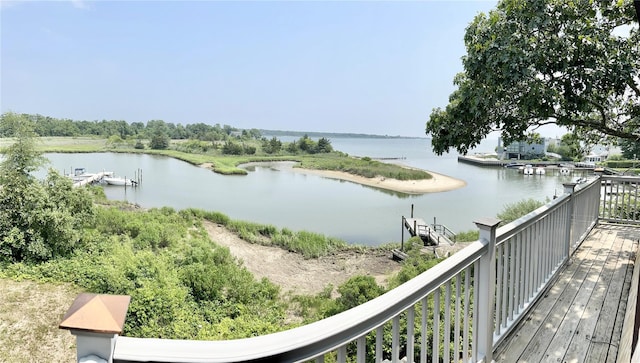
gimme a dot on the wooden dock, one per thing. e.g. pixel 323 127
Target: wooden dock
pixel 432 235
pixel 94 178
pixel 426 232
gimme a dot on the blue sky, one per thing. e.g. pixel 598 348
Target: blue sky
pixel 361 67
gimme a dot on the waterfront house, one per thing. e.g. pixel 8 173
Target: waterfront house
pixel 521 150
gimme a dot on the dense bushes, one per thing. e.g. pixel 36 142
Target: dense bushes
pixel 622 164
pixel 38 220
pixel 184 288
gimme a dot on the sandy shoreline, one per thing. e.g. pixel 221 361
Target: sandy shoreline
pixel 438 183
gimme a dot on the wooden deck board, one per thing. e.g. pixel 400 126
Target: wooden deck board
pixel 606 336
pixel 608 282
pixel 536 321
pixel 566 314
pixel 581 315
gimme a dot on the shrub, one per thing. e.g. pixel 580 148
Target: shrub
pixel 139 145
pixel 513 211
pixel 356 291
pixel 468 236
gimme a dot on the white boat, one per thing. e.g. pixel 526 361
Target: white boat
pixel 119 181
pixel 540 170
pixel 528 169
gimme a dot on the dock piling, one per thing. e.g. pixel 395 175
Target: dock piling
pixel 402 235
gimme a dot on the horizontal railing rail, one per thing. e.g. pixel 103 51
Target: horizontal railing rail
pixel 443 230
pixel 334 333
pixel 528 253
pixel 459 310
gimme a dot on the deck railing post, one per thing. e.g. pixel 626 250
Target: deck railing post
pixel 569 188
pixel 96 321
pixel 485 294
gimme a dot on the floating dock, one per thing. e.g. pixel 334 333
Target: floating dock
pixel 81 178
pixel 90 179
pixel 427 233
pixel 432 235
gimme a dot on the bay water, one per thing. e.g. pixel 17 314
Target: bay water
pixel 273 194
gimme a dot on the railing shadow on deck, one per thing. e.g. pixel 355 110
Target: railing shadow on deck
pixel 458 310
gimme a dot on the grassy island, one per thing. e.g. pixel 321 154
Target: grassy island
pixel 214 156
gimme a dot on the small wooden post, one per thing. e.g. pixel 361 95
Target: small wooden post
pixel 411 210
pixel 402 235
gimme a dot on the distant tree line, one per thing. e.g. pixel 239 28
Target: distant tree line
pixel 201 137
pixel 50 126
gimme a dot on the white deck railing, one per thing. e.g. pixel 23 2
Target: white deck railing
pixel 458 310
pixel 620 200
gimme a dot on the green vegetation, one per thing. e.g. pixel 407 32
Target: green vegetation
pixel 513 211
pixel 569 148
pixel 183 285
pixel 630 148
pixel 532 63
pixel 38 220
pixel 467 236
pixel 223 148
pixel 364 167
pixel 509 213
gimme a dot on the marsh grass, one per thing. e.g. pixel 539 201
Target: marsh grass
pixel 308 244
pixel 365 167
pixel 228 164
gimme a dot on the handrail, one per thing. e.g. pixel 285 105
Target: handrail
pixel 309 340
pixel 511 229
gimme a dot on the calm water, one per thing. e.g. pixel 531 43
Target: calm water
pixel 270 194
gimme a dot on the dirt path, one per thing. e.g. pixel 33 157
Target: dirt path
pixel 297 275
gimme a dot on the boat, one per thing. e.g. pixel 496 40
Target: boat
pixel 514 165
pixel 528 169
pixel 119 181
pixel 540 170
pixel 79 174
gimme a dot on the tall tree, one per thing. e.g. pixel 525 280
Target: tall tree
pixel 630 149
pixel 159 140
pixel 536 62
pixel 324 145
pixel 38 221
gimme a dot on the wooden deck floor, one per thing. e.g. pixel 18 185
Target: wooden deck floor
pixel 580 317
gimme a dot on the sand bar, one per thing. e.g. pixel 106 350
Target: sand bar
pixel 438 182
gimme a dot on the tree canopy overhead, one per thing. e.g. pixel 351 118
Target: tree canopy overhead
pixel 535 62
